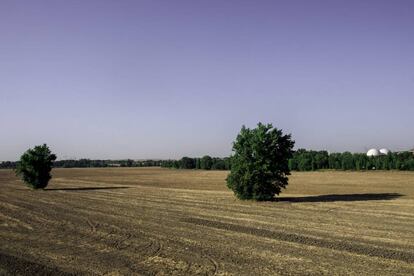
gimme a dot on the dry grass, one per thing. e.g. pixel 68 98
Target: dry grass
pixel 160 221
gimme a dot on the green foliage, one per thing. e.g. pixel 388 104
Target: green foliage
pixel 259 168
pixel 88 163
pixel 206 162
pixel 304 160
pixel 198 163
pixel 8 165
pixel 293 164
pixel 35 166
pixel 335 161
pixel 218 164
pixel 347 161
pixel 227 163
pixel 187 163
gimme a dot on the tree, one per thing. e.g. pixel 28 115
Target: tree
pixel 321 159
pixel 187 163
pixel 198 163
pixel 305 164
pixel 293 165
pixel 218 164
pixel 227 163
pixel 347 161
pixel 259 168
pixel 206 162
pixel 35 166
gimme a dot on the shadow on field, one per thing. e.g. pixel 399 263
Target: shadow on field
pixel 11 265
pixel 343 197
pixel 86 188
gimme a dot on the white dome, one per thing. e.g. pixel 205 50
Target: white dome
pixel 373 152
pixel 384 151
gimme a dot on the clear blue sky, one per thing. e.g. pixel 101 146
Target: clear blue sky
pixel 164 79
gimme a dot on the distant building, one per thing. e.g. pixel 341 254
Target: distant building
pixel 373 152
pixel 384 151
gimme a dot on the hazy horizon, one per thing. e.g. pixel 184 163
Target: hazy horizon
pixel 166 79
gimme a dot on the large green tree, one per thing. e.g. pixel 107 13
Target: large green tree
pixel 259 168
pixel 35 165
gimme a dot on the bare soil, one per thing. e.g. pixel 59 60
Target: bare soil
pixel 152 221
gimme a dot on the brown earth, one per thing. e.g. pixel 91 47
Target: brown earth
pixel 172 222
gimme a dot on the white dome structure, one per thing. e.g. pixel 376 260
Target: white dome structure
pixel 384 151
pixel 373 152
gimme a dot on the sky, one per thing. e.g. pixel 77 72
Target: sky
pixel 165 79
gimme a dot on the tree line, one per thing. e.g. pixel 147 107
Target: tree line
pixel 310 160
pixel 302 160
pixel 89 163
pixel 204 163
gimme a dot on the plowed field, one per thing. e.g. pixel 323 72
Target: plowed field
pixel 181 222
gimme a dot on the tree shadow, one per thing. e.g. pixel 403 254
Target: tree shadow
pixel 340 197
pixel 86 188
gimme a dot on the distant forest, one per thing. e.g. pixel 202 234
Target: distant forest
pixel 88 163
pixel 302 160
pixel 305 160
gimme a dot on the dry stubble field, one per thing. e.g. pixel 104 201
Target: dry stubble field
pixel 173 222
